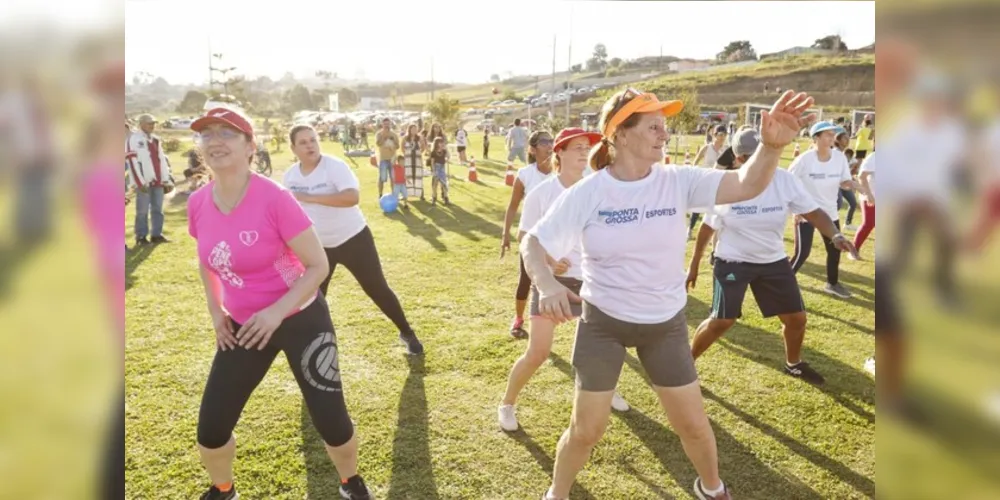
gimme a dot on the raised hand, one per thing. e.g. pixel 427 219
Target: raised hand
pixel 781 125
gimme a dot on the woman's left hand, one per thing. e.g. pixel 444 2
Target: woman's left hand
pixel 781 125
pixel 258 329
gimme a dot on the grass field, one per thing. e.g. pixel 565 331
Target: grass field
pixel 427 425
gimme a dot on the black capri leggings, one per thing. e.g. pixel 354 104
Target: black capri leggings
pixel 113 486
pixel 360 257
pixel 523 283
pixel 310 344
pixel 804 233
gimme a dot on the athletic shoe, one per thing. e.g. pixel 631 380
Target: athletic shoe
pixel 159 239
pixel 141 241
pixel 855 259
pixel 870 366
pixel 699 492
pixel 517 329
pixel 805 372
pixel 850 227
pixel 507 416
pixel 837 290
pixel 412 343
pixel 354 489
pixel 618 403
pixel 213 493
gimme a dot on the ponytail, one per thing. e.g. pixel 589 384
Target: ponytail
pixel 600 155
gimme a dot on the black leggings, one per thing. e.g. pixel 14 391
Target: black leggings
pixel 113 486
pixel 523 283
pixel 310 345
pixel 804 232
pixel 360 257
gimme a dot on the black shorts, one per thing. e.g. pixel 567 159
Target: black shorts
pixel 461 149
pixel 887 319
pixel 574 285
pixel 861 154
pixel 774 286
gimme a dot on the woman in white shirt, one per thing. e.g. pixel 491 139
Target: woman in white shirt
pixel 571 148
pixel 824 171
pixel 629 221
pixel 707 156
pixel 329 192
pixel 538 169
pixel 750 253
pixel 461 143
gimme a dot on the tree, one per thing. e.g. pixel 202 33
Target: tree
pixel 687 120
pixel 737 51
pixel 445 111
pixel 348 98
pixel 832 42
pixel 600 58
pixel 298 99
pixel 495 78
pixel 509 94
pixel 616 62
pixel 193 102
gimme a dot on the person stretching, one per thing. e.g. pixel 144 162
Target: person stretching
pixel 329 192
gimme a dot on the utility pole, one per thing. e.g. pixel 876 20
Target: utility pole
pixel 432 78
pixel 552 100
pixel 659 62
pixel 569 65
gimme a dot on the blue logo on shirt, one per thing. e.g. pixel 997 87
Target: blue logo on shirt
pixel 661 212
pixel 623 216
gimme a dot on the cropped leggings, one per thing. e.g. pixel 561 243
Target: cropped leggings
pixel 310 345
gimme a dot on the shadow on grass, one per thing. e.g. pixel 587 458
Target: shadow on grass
pixel 134 258
pixel 416 226
pixel 13 256
pixel 412 470
pixel 861 483
pixel 546 462
pixel 455 219
pixel 739 466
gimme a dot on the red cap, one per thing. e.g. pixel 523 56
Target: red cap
pixel 568 134
pixel 224 116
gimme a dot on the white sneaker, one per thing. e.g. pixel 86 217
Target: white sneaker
pixel 619 403
pixel 850 227
pixel 870 366
pixel 507 416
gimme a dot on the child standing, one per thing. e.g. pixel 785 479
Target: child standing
pixel 439 158
pixel 399 180
pixel 486 143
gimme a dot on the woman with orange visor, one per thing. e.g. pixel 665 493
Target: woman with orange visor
pixel 629 218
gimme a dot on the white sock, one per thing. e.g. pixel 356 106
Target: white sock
pixel 712 493
pixel 792 365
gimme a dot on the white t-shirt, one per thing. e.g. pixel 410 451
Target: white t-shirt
pixel 531 177
pixel 335 225
pixel 919 160
pixel 711 156
pixel 632 236
pixel 461 139
pixel 753 231
pixel 536 205
pixel 822 179
pixel 869 166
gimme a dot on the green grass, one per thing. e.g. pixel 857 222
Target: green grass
pixel 427 426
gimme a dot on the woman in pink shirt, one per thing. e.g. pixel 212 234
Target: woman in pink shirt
pixel 262 263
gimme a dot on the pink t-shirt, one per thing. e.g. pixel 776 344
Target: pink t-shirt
pixel 248 249
pixel 103 199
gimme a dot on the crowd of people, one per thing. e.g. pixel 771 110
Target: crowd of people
pixel 602 242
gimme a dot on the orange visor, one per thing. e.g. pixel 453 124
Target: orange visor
pixel 644 102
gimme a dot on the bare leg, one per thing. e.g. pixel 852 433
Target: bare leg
pixel 539 347
pixel 591 411
pixel 686 413
pixel 707 333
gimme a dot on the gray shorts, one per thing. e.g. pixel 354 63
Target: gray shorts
pixel 599 351
pixel 574 286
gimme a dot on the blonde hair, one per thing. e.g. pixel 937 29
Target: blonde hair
pixel 602 155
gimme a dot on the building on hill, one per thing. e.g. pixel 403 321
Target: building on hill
pixel 797 51
pixel 688 65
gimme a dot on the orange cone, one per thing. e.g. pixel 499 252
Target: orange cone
pixel 666 159
pixel 373 160
pixel 510 174
pixel 473 177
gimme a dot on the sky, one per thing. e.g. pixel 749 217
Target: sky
pixel 172 38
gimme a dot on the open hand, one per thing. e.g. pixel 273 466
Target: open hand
pixel 557 303
pixel 842 244
pixel 223 331
pixel 781 125
pixel 504 244
pixel 692 278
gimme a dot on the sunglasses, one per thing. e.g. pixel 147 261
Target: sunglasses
pixel 225 134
